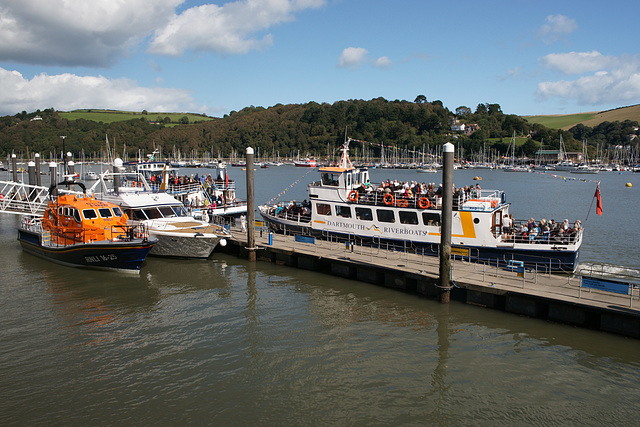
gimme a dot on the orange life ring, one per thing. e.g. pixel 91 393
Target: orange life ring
pixel 402 203
pixel 353 196
pixel 424 203
pixel 388 199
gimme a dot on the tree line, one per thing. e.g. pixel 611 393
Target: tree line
pixel 311 128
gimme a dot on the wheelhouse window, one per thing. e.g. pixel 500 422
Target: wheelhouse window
pixel 76 215
pixel 105 213
pixel 364 214
pixel 408 217
pixel 117 211
pixel 137 215
pixel 167 212
pixel 429 218
pixel 385 215
pixel 89 214
pixel 152 213
pixel 180 210
pixel 343 211
pixel 323 209
pixel 330 179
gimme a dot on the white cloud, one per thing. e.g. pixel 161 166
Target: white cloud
pixel 383 62
pixel 98 32
pixel 353 57
pixel 555 27
pixel 578 62
pixel 69 91
pixel 77 32
pixel 229 29
pixel 619 84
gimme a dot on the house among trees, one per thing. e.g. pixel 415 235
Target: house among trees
pixel 467 129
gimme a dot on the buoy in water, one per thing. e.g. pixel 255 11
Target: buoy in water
pixel 477 178
pixel 628 184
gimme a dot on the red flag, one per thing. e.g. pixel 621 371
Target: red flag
pixel 598 201
pixel 226 179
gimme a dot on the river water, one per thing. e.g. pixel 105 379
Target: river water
pixel 227 342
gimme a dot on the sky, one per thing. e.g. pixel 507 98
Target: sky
pixel 214 57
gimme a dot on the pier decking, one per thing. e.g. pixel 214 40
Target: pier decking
pixel 558 298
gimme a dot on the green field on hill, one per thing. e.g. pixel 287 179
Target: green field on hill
pixel 561 121
pixel 109 116
pixel 567 121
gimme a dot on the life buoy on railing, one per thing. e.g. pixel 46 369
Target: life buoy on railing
pixel 353 196
pixel 402 203
pixel 424 203
pixel 388 199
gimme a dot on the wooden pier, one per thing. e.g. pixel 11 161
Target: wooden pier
pixel 552 297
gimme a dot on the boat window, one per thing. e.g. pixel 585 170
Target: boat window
pixel 429 218
pixel 117 211
pixel 76 215
pixel 349 180
pixel 330 179
pixel 364 214
pixel 105 212
pixel 152 213
pixel 343 211
pixel 138 215
pixel 180 210
pixel 323 209
pixel 385 215
pixel 66 211
pixel 60 210
pixel 89 214
pixel 408 217
pixel 167 212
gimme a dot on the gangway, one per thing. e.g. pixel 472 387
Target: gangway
pixel 24 199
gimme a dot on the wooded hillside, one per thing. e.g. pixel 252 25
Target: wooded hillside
pixel 310 128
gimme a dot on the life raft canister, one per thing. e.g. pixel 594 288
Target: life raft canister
pixel 424 203
pixel 353 196
pixel 388 199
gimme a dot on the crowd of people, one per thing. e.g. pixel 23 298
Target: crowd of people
pixel 413 190
pixel 542 231
pixel 292 210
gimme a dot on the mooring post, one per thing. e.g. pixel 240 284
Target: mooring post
pixel 447 211
pixel 38 178
pixel 251 215
pixel 14 167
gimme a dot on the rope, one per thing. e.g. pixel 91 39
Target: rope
pixel 289 187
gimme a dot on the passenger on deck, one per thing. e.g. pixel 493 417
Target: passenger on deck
pixel 507 223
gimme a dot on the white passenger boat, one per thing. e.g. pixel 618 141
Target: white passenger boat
pixel 341 206
pixel 178 233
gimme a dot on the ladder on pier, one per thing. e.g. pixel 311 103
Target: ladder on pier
pixel 23 199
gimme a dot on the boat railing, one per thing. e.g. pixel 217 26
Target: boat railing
pixel 62 238
pixel 422 201
pixel 521 234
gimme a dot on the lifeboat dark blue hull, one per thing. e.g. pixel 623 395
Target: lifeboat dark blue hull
pixel 119 255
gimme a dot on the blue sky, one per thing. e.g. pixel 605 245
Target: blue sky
pixel 214 57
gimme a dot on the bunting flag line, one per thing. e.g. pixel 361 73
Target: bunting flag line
pixel 289 187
